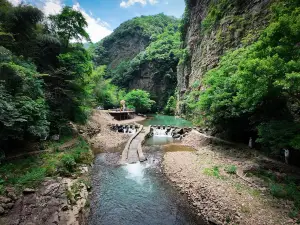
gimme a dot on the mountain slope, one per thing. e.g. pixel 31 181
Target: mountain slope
pixel 143 53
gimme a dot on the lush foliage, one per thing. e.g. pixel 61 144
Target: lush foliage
pixel 161 36
pixel 171 106
pixel 162 55
pixel 105 93
pixel 256 87
pixel 31 171
pixel 144 26
pixel 69 24
pixel 165 51
pixel 43 78
pixel 139 100
pixel 23 110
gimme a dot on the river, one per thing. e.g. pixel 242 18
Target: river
pixel 137 194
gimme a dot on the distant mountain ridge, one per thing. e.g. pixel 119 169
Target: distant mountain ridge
pixel 143 53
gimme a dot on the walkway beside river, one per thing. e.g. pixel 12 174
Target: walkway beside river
pixel 133 150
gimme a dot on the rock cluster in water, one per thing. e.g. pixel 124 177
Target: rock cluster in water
pixel 126 128
pixel 175 132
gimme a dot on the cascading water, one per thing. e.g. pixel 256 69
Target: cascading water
pixel 137 194
pixel 161 136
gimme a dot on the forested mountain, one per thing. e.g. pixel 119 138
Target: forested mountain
pixel 48 78
pixel 43 76
pixel 236 65
pixel 143 53
pixel 240 73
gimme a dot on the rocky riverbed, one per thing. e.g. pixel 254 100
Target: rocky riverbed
pixel 220 197
pixel 62 201
pixel 98 131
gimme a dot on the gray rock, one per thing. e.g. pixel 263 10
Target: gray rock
pixel 28 191
pixel 51 189
pixel 8 205
pixel 2 211
pixel 176 136
pixel 4 199
pixel 12 195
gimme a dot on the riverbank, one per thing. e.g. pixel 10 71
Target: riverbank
pixel 214 178
pixel 104 139
pixel 48 188
pixel 52 187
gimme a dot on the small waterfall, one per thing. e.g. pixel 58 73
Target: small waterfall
pixel 162 131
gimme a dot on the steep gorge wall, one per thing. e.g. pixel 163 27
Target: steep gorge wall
pixel 236 23
pixel 125 49
pixel 143 53
pixel 158 78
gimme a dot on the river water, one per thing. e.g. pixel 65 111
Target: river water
pixel 156 119
pixel 163 120
pixel 136 194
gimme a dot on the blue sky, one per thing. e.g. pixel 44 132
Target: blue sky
pixel 103 16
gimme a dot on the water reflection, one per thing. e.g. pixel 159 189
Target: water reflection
pixel 135 194
pixel 166 120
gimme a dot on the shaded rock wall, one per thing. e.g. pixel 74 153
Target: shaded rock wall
pixel 160 82
pixel 125 49
pixel 240 24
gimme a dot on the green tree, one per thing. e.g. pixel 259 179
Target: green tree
pixel 255 88
pixel 103 91
pixel 162 55
pixel 69 24
pixel 23 111
pixel 66 88
pixel 171 106
pixel 140 100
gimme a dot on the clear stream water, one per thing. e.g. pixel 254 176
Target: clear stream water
pixel 156 119
pixel 163 120
pixel 136 194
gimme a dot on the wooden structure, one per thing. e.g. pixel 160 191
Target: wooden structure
pixel 122 115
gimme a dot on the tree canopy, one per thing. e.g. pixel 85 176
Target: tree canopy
pixel 42 82
pixel 255 88
pixel 139 100
pixel 69 25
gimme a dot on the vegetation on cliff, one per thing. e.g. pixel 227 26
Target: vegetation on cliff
pixel 254 90
pixel 139 100
pixel 160 55
pixel 44 78
pixel 146 28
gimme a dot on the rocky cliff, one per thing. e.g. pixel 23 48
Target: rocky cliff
pixel 211 28
pixel 143 53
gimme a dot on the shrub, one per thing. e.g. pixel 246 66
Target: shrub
pixel 278 190
pixel 171 106
pixel 215 172
pixel 279 134
pixel 31 178
pixel 68 162
pixel 140 100
pixel 231 169
pixel 256 86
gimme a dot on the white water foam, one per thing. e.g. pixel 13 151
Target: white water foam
pixel 136 172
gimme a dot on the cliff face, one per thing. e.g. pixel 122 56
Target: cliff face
pixel 143 53
pixel 212 28
pixel 159 81
pixel 125 49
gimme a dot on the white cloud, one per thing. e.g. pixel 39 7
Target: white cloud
pixel 15 2
pixel 97 29
pixel 152 2
pixel 52 7
pixel 128 3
